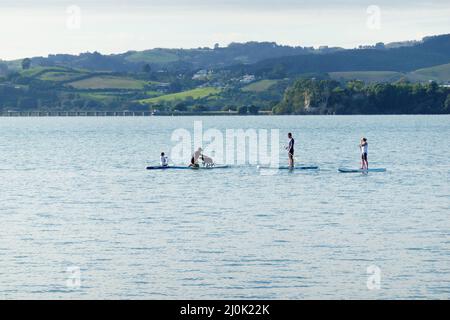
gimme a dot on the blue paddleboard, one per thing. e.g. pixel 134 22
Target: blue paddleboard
pixel 289 168
pixel 346 170
pixel 186 167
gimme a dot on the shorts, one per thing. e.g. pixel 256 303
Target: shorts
pixel 364 156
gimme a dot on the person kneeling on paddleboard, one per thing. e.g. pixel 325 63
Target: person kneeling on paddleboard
pixel 163 160
pixel 364 145
pixel 194 160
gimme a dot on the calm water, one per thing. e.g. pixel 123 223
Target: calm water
pixel 74 193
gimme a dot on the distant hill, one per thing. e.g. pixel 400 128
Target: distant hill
pixel 430 52
pixel 265 59
pixel 180 59
pixel 245 53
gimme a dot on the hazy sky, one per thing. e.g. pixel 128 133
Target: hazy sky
pixel 38 28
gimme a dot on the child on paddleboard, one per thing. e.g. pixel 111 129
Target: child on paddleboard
pixel 163 160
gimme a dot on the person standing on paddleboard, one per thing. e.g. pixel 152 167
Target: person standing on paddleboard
pixel 364 145
pixel 290 149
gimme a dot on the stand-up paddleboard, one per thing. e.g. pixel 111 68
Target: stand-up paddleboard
pixel 187 168
pixel 346 170
pixel 290 168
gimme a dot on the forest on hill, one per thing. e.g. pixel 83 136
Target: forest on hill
pixel 354 97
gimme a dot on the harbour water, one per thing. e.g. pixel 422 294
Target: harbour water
pixel 82 218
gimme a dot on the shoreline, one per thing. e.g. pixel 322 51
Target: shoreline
pixel 187 114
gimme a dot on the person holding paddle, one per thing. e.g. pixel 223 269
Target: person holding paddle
pixel 364 146
pixel 290 150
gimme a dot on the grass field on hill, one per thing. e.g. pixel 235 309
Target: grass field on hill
pixel 259 86
pixel 104 97
pixel 367 76
pixel 59 76
pixel 108 82
pixel 152 56
pixel 439 73
pixel 195 94
pixel 37 71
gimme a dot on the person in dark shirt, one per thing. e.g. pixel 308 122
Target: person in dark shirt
pixel 290 149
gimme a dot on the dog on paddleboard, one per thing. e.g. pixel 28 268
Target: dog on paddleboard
pixel 207 161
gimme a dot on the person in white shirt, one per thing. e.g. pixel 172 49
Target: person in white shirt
pixel 164 161
pixel 364 145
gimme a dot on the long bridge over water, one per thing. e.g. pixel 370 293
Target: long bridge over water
pixel 115 113
pixel 75 114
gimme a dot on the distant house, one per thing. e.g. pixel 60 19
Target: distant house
pixel 201 75
pixel 162 87
pixel 248 78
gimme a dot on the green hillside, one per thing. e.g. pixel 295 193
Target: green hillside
pixel 367 76
pixel 259 86
pixel 195 94
pixel 59 76
pixel 37 71
pixel 55 74
pixel 108 82
pixel 153 56
pixel 439 73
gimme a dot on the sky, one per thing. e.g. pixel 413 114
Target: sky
pixel 37 28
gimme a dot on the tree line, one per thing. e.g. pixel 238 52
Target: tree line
pixel 310 96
